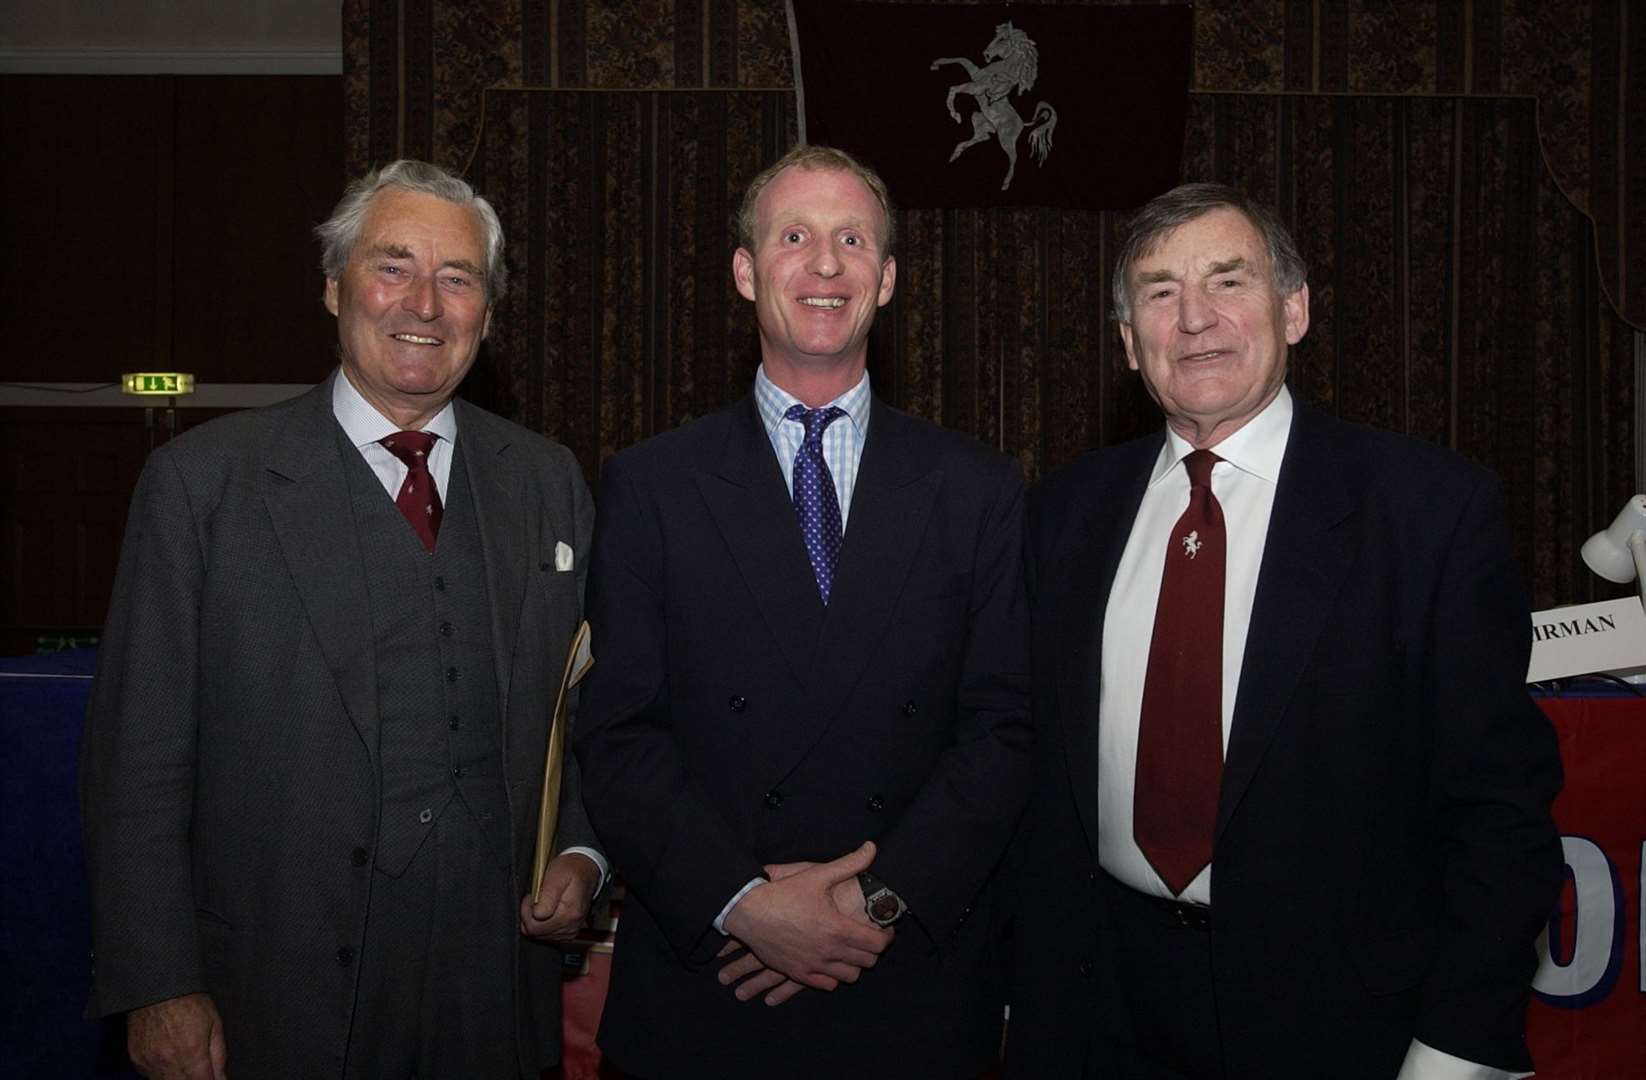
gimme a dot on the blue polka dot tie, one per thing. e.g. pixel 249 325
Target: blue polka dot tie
pixel 815 502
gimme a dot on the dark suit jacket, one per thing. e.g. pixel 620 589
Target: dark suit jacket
pixel 1384 856
pixel 732 721
pixel 227 767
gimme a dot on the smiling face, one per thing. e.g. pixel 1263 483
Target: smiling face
pixel 411 303
pixel 1209 330
pixel 816 276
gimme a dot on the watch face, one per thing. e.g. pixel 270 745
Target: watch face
pixel 885 907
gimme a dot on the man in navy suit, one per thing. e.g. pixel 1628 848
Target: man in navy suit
pixel 1291 803
pixel 807 724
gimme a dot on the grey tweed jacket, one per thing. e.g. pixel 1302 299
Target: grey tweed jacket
pixel 227 773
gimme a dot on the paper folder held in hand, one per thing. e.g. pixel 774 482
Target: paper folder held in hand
pixel 578 662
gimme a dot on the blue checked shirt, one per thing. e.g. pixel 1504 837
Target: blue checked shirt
pixel 842 440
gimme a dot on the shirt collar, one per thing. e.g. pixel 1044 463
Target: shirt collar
pixel 364 425
pixel 773 401
pixel 1257 448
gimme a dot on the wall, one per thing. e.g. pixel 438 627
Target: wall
pixel 159 222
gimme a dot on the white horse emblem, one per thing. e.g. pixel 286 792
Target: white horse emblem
pixel 1014 64
pixel 1191 543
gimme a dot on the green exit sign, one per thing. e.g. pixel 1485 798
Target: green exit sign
pixel 160 383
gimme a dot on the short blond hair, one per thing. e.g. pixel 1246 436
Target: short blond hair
pixel 817 159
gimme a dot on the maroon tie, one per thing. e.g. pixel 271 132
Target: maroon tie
pixel 1180 732
pixel 418 498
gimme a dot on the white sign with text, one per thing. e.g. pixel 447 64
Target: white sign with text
pixel 1608 636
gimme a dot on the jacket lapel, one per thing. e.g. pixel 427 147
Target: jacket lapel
pixel 307 497
pixel 891 504
pixel 498 492
pixel 746 496
pixel 1081 574
pixel 1305 557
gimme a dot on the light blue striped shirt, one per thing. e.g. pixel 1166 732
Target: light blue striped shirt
pixel 842 440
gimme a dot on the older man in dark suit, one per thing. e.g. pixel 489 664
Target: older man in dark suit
pixel 314 756
pixel 808 722
pixel 1291 810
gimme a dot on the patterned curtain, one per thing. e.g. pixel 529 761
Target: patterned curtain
pixel 1459 292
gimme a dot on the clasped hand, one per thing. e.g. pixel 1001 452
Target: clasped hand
pixel 806 927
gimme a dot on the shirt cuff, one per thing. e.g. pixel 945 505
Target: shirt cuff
pixel 599 861
pixel 720 919
pixel 1424 1062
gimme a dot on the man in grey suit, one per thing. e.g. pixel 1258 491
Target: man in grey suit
pixel 314 755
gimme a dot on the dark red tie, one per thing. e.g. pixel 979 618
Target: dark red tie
pixel 417 498
pixel 1180 732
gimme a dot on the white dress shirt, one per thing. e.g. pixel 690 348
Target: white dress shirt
pixel 365 426
pixel 1244 483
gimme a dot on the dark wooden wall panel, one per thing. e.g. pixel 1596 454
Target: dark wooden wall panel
pixel 66 478
pixel 166 224
pixel 85 212
pixel 257 166
pixel 152 223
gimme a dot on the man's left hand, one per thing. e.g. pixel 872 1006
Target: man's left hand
pixel 750 976
pixel 569 882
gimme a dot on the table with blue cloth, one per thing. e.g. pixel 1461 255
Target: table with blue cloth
pixel 45 917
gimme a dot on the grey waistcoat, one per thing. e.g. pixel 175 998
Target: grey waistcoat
pixel 439 726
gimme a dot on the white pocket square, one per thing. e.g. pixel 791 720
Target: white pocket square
pixel 562 555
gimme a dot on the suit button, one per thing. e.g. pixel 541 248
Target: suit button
pixel 358 856
pixel 1091 877
pixel 910 708
pixel 451 674
pixel 965 913
pixel 454 723
pixel 773 800
pixel 737 703
pixel 457 772
pixel 440 584
pixel 876 804
pixel 1086 969
pixel 447 629
pixel 345 956
pixel 425 815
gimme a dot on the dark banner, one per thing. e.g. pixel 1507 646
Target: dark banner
pixel 999 104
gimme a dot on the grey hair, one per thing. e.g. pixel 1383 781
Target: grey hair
pixel 815 158
pixel 1183 204
pixel 339 233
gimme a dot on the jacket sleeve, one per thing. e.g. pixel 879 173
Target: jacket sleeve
pixel 1496 770
pixel 573 828
pixel 137 756
pixel 1050 913
pixel 947 843
pixel 663 833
